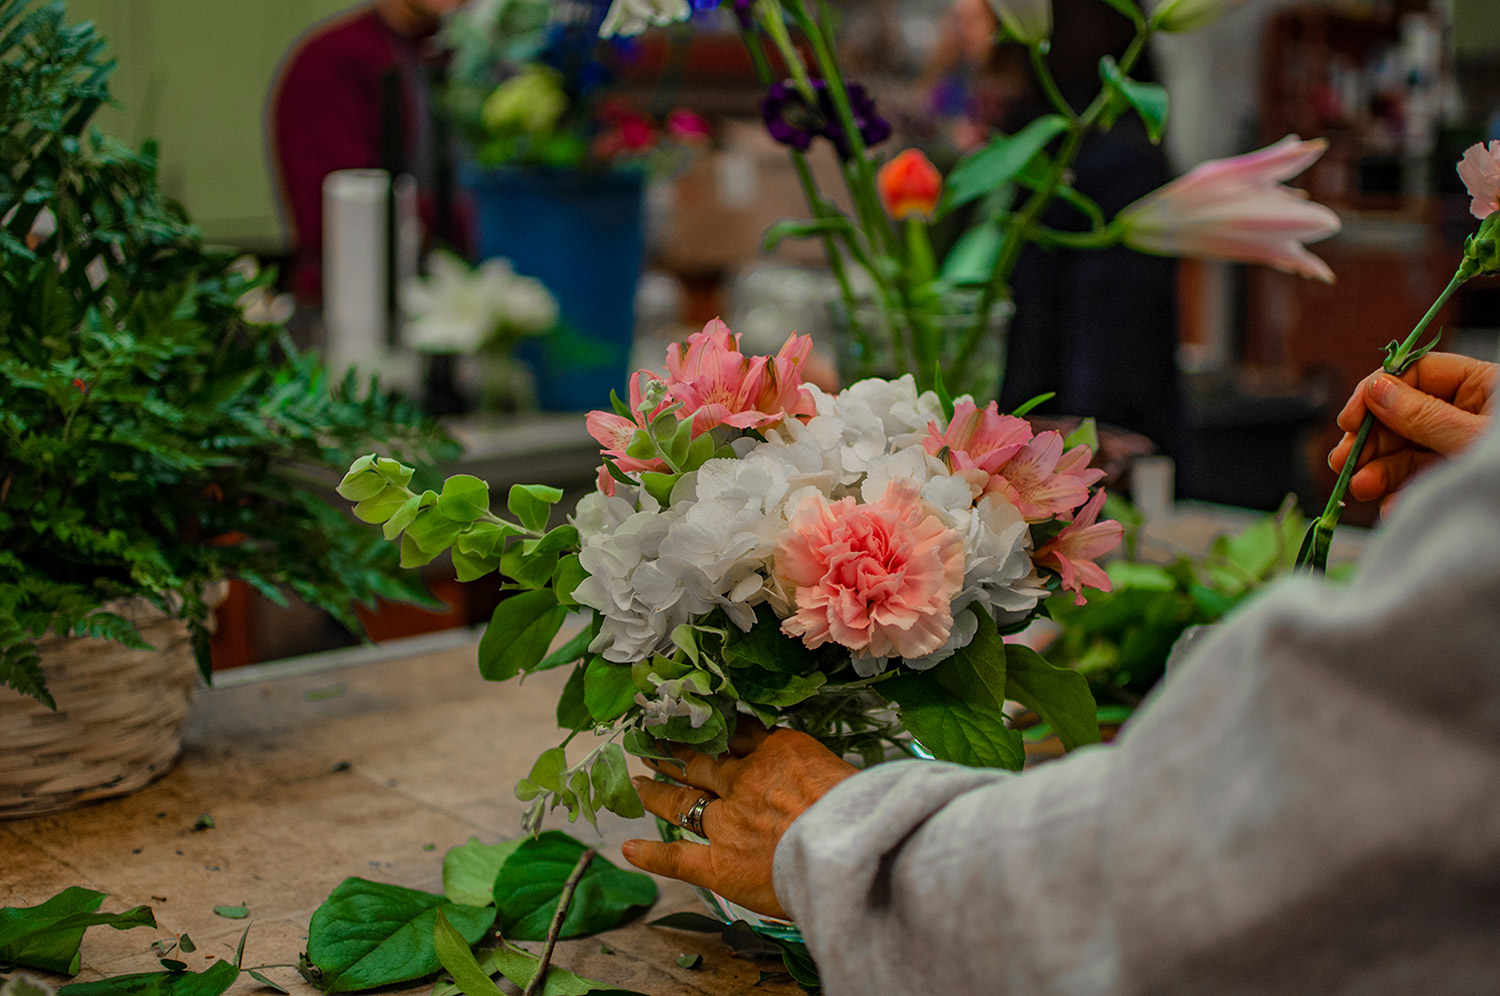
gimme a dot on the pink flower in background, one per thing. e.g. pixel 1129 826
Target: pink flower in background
pixel 978 437
pixel 685 126
pixel 1480 171
pixel 1041 482
pixel 718 385
pixel 614 432
pixel 1237 209
pixel 1073 551
pixel 876 578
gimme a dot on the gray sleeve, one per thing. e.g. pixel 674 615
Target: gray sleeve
pixel 1310 801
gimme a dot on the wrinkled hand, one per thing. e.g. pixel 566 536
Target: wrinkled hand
pixel 1436 409
pixel 767 780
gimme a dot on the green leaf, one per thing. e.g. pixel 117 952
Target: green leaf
pixel 776 688
pixel 464 498
pixel 366 934
pixel 659 485
pixel 1059 695
pixel 394 471
pixel 432 531
pixel 469 870
pixel 792 228
pixel 572 714
pixel 1128 8
pixel 548 771
pixel 268 983
pixel 407 513
pixel 212 981
pixel 530 883
pixel 520 966
pixel 413 555
pixel 945 399
pixel 689 961
pixel 471 568
pixel 519 634
pixel 24 985
pixel 457 957
pixel 1087 434
pixel 972 258
pixel 48 936
pixel 232 912
pixel 608 690
pixel 485 539
pixel 358 485
pixel 642 744
pixel 379 508
pixel 1148 99
pixel 569 652
pixel 612 787
pixel 997 163
pixel 532 504
pixel 539 557
pixel 566 577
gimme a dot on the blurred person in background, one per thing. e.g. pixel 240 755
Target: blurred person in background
pixel 358 92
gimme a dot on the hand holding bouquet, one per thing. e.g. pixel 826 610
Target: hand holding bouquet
pixel 847 564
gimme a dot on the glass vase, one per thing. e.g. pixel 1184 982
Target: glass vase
pixel 876 339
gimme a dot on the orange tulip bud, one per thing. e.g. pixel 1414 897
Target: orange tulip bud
pixel 910 185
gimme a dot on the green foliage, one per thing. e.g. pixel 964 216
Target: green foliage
pixel 366 934
pixel 529 884
pixel 48 936
pixel 457 956
pixel 1120 640
pixel 469 870
pixel 152 440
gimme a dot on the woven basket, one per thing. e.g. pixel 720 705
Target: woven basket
pixel 118 723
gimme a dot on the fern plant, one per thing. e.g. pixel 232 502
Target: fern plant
pixel 152 440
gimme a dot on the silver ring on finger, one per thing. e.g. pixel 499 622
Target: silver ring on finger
pixel 692 820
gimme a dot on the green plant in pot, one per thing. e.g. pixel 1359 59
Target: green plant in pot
pixel 153 440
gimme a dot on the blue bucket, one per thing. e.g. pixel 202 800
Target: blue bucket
pixel 582 234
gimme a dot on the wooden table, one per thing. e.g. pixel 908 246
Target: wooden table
pixel 368 763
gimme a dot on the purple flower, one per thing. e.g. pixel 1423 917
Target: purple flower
pixel 789 118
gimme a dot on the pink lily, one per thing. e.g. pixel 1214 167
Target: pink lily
pixel 1238 209
pixel 979 438
pixel 1480 171
pixel 1073 552
pixel 1032 482
pixel 718 385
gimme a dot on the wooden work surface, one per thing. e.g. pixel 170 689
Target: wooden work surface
pixel 361 763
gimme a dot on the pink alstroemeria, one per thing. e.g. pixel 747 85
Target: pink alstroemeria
pixel 1480 171
pixel 718 385
pixel 1042 482
pixel 977 437
pixel 1238 209
pixel 1073 551
pixel 614 432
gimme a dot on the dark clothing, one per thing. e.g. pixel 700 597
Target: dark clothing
pixel 355 94
pixel 1099 327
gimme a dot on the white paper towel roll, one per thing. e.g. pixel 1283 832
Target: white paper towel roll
pixel 357 298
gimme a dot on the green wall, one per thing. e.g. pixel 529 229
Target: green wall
pixel 196 75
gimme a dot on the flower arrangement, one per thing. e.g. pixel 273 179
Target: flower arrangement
pixel 155 437
pixel 529 84
pixel 907 310
pixel 847 563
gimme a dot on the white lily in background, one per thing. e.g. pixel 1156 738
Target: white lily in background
pixel 631 17
pixel 1190 15
pixel 1028 21
pixel 458 309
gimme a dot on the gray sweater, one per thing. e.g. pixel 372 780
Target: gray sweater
pixel 1310 806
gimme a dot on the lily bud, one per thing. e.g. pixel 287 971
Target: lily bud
pixel 909 185
pixel 1190 15
pixel 1028 21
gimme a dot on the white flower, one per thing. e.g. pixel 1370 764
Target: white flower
pixel 904 414
pixel 631 17
pixel 456 309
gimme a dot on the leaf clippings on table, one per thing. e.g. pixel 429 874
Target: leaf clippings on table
pixel 48 936
pixel 689 960
pixel 457 957
pixel 205 821
pixel 268 983
pixel 212 981
pixel 232 912
pixel 173 965
pixel 519 966
pixel 367 934
pixel 469 870
pixel 186 943
pixel 696 922
pixel 21 984
pixel 530 883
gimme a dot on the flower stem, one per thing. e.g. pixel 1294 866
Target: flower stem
pixel 563 901
pixel 1314 553
pixel 1049 85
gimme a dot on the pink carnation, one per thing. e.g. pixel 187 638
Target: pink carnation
pixel 979 438
pixel 1480 171
pixel 1042 481
pixel 718 385
pixel 875 578
pixel 1073 552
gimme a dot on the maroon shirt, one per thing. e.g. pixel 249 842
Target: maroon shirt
pixel 327 114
